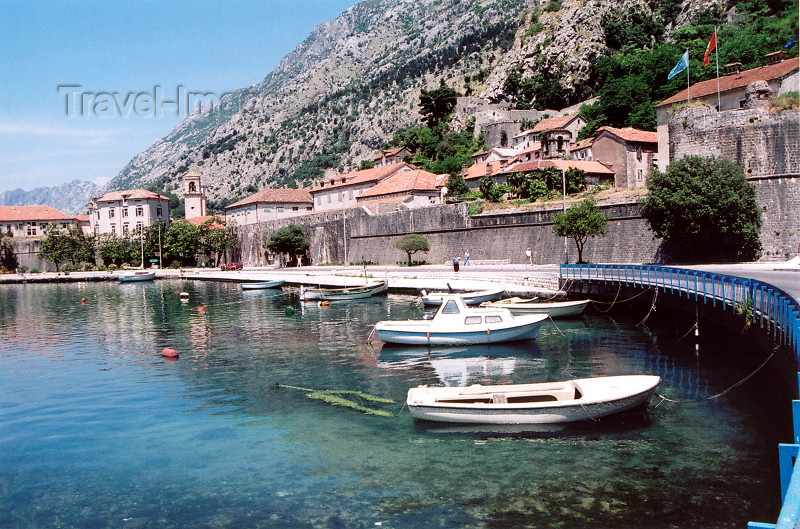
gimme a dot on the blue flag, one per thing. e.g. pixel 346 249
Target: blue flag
pixel 681 66
pixel 789 44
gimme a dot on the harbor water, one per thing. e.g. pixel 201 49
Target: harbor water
pixel 98 430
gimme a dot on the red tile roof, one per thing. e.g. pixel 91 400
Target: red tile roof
pixel 389 153
pixel 630 134
pixel 735 82
pixel 553 123
pixel 31 213
pixel 583 144
pixel 360 177
pixel 276 196
pixel 479 170
pixel 404 181
pixel 199 220
pixel 595 168
pixel 130 194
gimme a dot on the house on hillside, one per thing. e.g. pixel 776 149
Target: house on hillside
pixel 31 221
pixel 630 153
pixel 270 204
pixel 127 212
pixel 553 134
pixel 404 189
pixel 596 173
pixel 392 156
pixel 341 191
pixel 781 76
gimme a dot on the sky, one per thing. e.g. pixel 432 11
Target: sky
pixel 87 85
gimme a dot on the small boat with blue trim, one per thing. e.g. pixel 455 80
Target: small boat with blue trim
pixel 540 403
pixel 260 285
pixel 139 275
pixel 343 293
pixel 470 298
pixel 554 309
pixel 455 323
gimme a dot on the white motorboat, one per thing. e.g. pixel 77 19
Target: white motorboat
pixel 542 403
pixel 554 309
pixel 470 298
pixel 260 285
pixel 139 275
pixel 456 324
pixel 343 293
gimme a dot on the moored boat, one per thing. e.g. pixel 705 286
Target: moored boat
pixel 343 293
pixel 139 275
pixel 554 309
pixel 540 403
pixel 259 285
pixel 456 324
pixel 470 298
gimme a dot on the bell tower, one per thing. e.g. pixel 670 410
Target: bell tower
pixel 193 197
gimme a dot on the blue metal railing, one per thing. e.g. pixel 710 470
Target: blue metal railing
pixel 772 308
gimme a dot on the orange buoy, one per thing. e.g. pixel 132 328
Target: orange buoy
pixel 83 301
pixel 169 353
pixel 201 308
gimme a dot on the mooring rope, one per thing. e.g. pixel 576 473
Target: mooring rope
pixel 554 325
pixel 721 393
pixel 652 308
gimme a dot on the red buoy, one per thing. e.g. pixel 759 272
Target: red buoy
pixel 83 301
pixel 201 308
pixel 169 353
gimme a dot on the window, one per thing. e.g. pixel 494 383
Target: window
pixel 139 211
pixel 450 308
pixel 124 212
pixel 493 318
pixel 309 208
pixel 639 153
pixel 280 209
pixel 192 188
pixel 472 320
pixel 139 227
pixel 267 209
pixel 31 229
pixel 295 208
pixel 97 213
pixel 111 213
pixel 639 174
pixel 125 229
pixel 113 228
pixel 158 211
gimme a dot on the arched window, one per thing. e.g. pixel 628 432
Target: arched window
pixel 192 188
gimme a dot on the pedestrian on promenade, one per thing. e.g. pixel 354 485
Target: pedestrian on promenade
pixel 528 256
pixel 455 263
pixel 466 258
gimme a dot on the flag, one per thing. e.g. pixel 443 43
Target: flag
pixel 789 44
pixel 681 66
pixel 712 43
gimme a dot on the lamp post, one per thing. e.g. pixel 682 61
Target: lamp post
pixel 564 196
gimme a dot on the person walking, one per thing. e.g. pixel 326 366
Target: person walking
pixel 466 258
pixel 455 263
pixel 528 256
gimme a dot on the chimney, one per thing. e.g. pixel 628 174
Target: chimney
pixel 775 57
pixel 733 68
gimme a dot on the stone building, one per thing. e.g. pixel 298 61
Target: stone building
pixel 781 76
pixel 629 152
pixel 31 221
pixel 194 197
pixel 341 191
pixel 270 204
pixel 127 212
pixel 406 190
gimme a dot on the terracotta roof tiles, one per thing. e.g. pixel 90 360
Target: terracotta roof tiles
pixel 32 213
pixel 276 196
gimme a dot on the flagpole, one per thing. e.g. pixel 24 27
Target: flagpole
pixel 688 95
pixel 716 56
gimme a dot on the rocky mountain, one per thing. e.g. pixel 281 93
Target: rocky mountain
pixel 356 80
pixel 71 198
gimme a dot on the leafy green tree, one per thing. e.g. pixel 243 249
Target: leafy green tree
pixel 218 239
pixel 115 249
pixel 412 243
pixel 366 164
pixel 290 240
pixel 705 210
pixel 8 259
pixel 182 241
pixel 437 105
pixel 456 186
pixel 579 223
pixel 55 247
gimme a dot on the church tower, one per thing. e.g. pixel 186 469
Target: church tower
pixel 193 197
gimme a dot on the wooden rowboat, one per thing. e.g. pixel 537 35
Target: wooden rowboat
pixel 140 275
pixel 260 285
pixel 543 403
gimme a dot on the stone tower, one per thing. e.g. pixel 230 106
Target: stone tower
pixel 193 196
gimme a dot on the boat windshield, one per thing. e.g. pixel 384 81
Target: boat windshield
pixel 450 308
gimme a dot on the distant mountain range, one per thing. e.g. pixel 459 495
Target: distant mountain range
pixel 71 198
pixel 355 81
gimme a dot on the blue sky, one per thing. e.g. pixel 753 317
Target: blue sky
pixel 127 48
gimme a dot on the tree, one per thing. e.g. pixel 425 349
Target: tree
pixel 579 223
pixel 217 239
pixel 437 105
pixel 182 241
pixel 289 240
pixel 705 210
pixel 412 243
pixel 8 259
pixel 456 186
pixel 115 249
pixel 55 247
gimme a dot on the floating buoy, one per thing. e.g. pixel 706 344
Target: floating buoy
pixel 184 296
pixel 289 310
pixel 324 303
pixel 201 308
pixel 169 353
pixel 83 301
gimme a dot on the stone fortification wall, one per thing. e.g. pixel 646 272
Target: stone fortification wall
pixel 449 230
pixel 761 141
pixel 779 198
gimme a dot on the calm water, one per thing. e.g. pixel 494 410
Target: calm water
pixel 97 430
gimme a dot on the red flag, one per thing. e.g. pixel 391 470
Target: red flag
pixel 712 43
